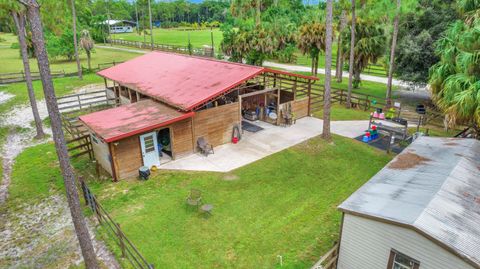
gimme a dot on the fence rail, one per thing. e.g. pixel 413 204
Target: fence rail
pixel 127 248
pixel 75 102
pixel 6 78
pixel 329 260
pixel 203 52
pixel 14 77
pixel 82 145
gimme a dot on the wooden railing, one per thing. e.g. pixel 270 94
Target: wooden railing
pixel 82 145
pixel 329 260
pixel 358 100
pixel 113 230
pixel 6 78
pixel 204 52
pixel 75 102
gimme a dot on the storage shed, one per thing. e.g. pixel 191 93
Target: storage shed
pixel 166 101
pixel 421 211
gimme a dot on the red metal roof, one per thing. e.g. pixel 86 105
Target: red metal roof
pixel 127 120
pixel 179 80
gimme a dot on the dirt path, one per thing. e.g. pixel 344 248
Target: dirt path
pixel 37 235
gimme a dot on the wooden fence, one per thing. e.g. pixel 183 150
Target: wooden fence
pixel 82 145
pixel 329 260
pixel 113 230
pixel 76 102
pixel 203 52
pixel 7 78
pixel 358 100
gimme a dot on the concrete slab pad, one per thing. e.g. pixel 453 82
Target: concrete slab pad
pixel 255 146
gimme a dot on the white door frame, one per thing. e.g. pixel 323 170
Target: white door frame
pixel 150 156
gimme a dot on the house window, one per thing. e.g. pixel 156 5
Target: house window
pixel 399 260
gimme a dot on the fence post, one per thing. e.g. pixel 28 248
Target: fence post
pixel 367 103
pixel 120 238
pixel 79 102
pixel 23 75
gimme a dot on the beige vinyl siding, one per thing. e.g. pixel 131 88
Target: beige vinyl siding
pixel 367 243
pixel 101 153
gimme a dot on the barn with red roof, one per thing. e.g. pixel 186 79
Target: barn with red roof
pixel 165 102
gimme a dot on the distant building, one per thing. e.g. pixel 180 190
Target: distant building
pixel 120 26
pixel 422 211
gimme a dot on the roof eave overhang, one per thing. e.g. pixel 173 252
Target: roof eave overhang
pixel 412 227
pixel 141 130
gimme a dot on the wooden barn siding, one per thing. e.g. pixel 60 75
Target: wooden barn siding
pixel 367 243
pixel 127 157
pixel 216 124
pixel 128 152
pixel 182 138
pixel 300 108
pixel 102 154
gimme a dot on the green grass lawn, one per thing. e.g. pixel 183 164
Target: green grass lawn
pixel 339 112
pixel 284 204
pixel 12 62
pixel 178 37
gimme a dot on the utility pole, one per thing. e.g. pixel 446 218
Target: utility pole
pixel 151 27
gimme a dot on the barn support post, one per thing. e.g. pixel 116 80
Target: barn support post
pixel 309 98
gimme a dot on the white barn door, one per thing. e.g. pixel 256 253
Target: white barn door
pixel 149 146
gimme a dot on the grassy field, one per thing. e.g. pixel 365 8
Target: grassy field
pixel 284 204
pixel 177 37
pixel 12 62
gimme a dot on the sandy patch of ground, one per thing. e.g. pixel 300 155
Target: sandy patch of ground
pixel 38 235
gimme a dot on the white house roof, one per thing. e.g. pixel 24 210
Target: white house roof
pixel 432 187
pixel 113 22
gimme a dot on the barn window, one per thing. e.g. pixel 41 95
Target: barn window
pixel 399 260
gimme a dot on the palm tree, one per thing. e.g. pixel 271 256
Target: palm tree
pixel 369 46
pixel 328 71
pixel 86 42
pixel 311 41
pixel 74 18
pixel 392 51
pixel 455 80
pixel 351 57
pixel 86 246
pixel 19 19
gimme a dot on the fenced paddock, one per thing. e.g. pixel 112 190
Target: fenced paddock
pixel 8 78
pixel 112 229
pixel 72 106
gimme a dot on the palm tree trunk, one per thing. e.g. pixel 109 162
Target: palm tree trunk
pixel 88 252
pixel 258 12
pixel 339 67
pixel 328 72
pixel 392 51
pixel 352 57
pixel 89 60
pixel 19 19
pixel 74 18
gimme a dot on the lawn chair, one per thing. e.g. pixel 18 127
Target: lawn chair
pixel 194 199
pixel 204 147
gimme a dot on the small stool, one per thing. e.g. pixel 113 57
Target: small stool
pixel 206 209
